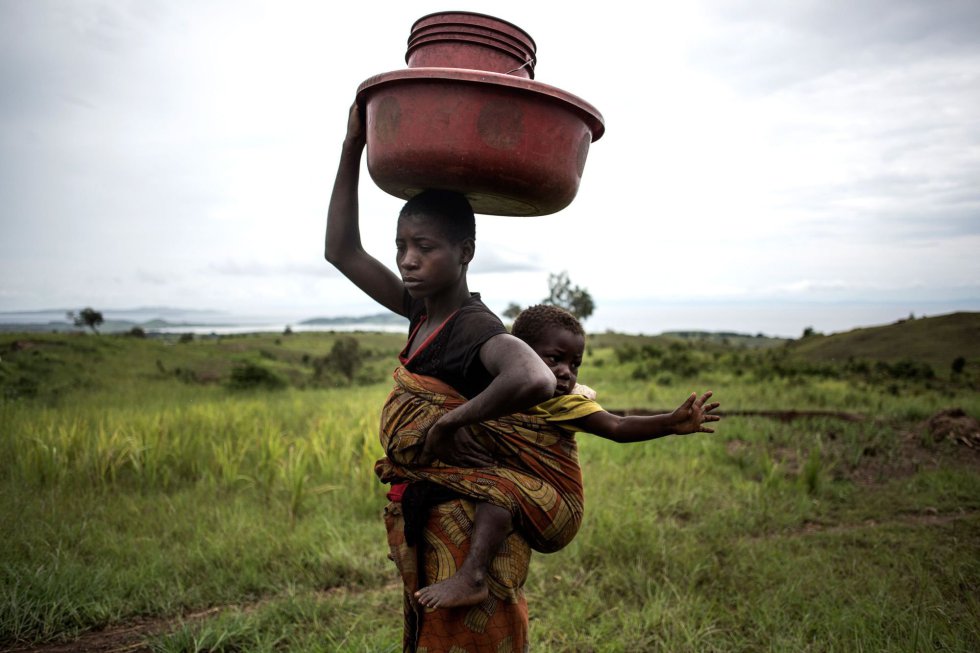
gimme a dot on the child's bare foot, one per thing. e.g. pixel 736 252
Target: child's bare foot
pixel 456 591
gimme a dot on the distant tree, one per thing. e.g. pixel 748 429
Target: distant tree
pixel 958 364
pixel 87 317
pixel 288 331
pixel 345 358
pixel 809 332
pixel 512 311
pixel 573 299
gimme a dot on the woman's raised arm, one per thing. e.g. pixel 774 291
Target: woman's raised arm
pixel 343 241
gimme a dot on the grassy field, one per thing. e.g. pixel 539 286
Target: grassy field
pixel 216 494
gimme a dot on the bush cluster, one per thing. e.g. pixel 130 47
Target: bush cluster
pixel 346 358
pixel 688 359
pixel 251 376
pixel 650 361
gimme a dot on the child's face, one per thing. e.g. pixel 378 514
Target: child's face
pixel 562 350
pixel 427 260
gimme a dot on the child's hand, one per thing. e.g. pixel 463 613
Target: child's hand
pixel 690 416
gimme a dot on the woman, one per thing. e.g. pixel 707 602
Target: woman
pixel 457 340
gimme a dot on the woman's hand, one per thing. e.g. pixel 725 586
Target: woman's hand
pixel 690 416
pixel 453 446
pixel 355 125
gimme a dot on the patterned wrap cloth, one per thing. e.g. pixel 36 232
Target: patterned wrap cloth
pixel 538 479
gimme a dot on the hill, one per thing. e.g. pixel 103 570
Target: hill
pixel 156 320
pixel 936 341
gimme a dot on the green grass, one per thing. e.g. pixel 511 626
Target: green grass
pixel 250 520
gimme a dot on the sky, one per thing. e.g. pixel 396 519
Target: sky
pixel 766 167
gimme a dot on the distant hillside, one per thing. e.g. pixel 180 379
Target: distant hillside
pixel 933 340
pixel 728 338
pixel 160 319
pixel 107 327
pixel 379 318
pixel 713 340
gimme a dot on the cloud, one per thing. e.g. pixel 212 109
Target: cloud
pixel 502 259
pixel 153 278
pixel 807 286
pixel 767 46
pixel 183 152
pixel 862 114
pixel 252 268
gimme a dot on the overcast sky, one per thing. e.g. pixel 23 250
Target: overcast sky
pixel 766 165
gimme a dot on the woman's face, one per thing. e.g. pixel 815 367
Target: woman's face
pixel 427 260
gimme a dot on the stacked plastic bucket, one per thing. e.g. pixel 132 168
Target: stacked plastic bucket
pixel 472 41
pixel 467 115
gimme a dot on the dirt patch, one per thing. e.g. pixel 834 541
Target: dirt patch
pixel 948 438
pixel 128 638
pixel 736 447
pixel 956 426
pixel 134 636
pixel 928 517
pixel 131 638
pixel 792 415
pixel 781 415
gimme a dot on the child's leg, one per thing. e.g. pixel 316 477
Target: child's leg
pixel 468 586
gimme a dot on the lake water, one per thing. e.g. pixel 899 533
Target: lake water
pixel 783 319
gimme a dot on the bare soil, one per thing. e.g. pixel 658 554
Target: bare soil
pixel 129 638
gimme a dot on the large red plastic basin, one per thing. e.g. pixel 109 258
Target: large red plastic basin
pixel 512 145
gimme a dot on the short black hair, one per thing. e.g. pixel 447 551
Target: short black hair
pixel 535 320
pixel 450 210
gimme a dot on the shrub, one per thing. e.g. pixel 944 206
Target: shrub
pixel 249 376
pixel 345 359
pixel 680 362
pixel 626 353
pixel 652 351
pixel 906 369
pixel 642 372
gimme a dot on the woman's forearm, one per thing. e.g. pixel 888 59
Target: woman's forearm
pixel 343 231
pixel 521 380
pixel 506 394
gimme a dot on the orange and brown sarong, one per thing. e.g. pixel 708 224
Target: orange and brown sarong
pixel 537 478
pixel 499 624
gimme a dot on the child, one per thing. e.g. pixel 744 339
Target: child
pixel 453 337
pixel 558 338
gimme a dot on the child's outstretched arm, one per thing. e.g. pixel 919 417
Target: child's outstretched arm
pixel 689 417
pixel 520 380
pixel 343 241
